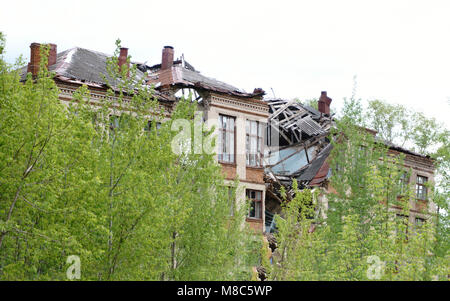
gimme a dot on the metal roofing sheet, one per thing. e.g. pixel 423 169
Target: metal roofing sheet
pixel 316 164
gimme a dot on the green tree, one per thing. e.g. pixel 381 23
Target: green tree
pixel 103 183
pixel 41 146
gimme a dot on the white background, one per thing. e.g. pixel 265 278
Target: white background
pixel 399 50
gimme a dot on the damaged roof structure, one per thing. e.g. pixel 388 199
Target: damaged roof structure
pixel 179 74
pixel 304 148
pixel 301 150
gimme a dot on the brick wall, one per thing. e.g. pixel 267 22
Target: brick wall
pixel 229 171
pixel 255 175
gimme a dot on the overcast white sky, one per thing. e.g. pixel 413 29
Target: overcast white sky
pixel 399 50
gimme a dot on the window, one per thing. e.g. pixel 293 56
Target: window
pixel 226 138
pixel 270 222
pixel 268 134
pixel 253 130
pixel 403 218
pixel 403 224
pixel 119 121
pixel 421 188
pixel 403 183
pixel 360 165
pixel 419 222
pixel 231 200
pixel 255 197
pixel 114 121
pixel 149 124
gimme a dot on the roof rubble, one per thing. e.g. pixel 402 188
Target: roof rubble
pixel 299 154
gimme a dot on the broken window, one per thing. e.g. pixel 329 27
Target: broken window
pixel 253 131
pixel 255 198
pixel 421 188
pixel 226 139
pixel 270 222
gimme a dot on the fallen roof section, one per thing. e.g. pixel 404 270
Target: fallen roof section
pixel 184 74
pixel 318 170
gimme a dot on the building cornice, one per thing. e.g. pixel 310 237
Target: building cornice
pixel 254 107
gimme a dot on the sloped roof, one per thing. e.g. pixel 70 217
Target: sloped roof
pixel 401 149
pixel 184 74
pixel 194 77
pixel 83 66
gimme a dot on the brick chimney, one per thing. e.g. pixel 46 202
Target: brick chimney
pixel 165 74
pixel 52 55
pixel 123 59
pixel 259 93
pixel 35 57
pixel 167 58
pixel 324 103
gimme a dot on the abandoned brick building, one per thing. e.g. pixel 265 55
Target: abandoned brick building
pixel 265 143
pixel 303 154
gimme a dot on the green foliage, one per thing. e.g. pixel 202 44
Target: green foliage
pixel 362 237
pixel 313 102
pixel 398 124
pixel 78 179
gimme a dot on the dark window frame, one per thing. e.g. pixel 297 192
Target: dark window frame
pixel 249 137
pixel 419 221
pixel 149 125
pixel 253 204
pixel 421 188
pixel 225 131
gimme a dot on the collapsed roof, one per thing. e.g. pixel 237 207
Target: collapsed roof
pixel 179 73
pixel 296 120
pixel 303 149
pixel 302 132
pixel 298 148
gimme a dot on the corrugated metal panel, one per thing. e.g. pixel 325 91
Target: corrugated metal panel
pixel 309 126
